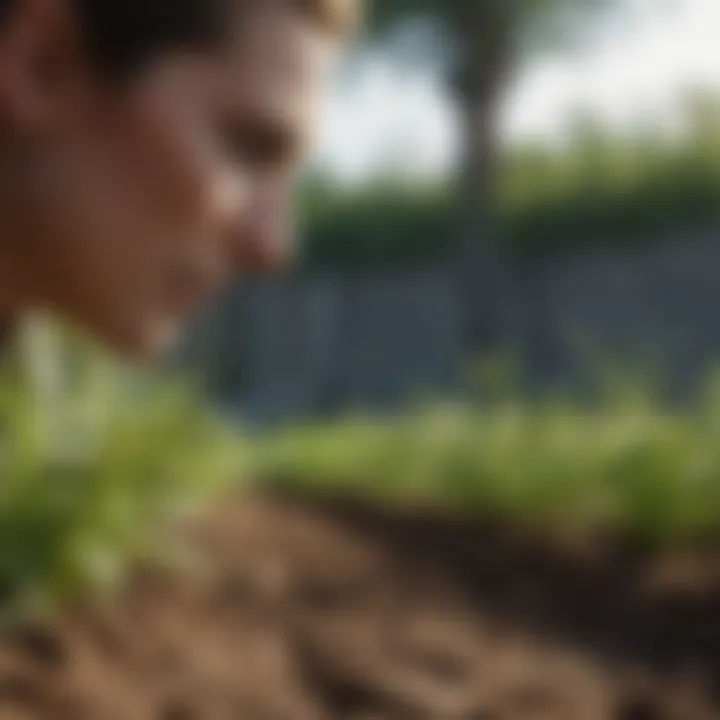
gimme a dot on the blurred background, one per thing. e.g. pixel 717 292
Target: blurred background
pixel 475 427
pixel 535 178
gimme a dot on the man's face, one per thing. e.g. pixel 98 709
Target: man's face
pixel 133 203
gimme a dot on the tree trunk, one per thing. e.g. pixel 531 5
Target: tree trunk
pixel 482 29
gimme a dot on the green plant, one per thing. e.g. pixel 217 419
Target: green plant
pixel 93 459
pixel 627 463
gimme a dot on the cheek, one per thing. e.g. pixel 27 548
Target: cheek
pixel 177 180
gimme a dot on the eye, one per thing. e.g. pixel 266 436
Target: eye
pixel 264 144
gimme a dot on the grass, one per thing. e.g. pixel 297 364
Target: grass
pixel 627 464
pixel 92 462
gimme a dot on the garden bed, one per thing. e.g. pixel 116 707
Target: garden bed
pixel 300 609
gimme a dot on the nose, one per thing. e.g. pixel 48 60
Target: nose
pixel 263 239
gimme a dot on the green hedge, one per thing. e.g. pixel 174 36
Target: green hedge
pixel 598 192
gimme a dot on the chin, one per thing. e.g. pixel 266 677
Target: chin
pixel 158 342
pixel 142 343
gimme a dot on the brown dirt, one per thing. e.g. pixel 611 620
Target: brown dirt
pixel 309 611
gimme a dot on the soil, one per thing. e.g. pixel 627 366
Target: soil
pixel 300 610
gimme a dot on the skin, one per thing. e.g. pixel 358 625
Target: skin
pixel 124 206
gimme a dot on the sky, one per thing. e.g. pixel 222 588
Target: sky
pixel 394 118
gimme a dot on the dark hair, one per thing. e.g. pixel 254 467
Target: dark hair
pixel 122 35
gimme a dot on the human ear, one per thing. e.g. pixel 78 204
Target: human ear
pixel 40 65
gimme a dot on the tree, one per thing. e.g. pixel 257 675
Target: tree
pixel 486 39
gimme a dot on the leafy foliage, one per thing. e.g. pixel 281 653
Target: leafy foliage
pixel 626 465
pixel 597 192
pixel 92 466
pixel 533 24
